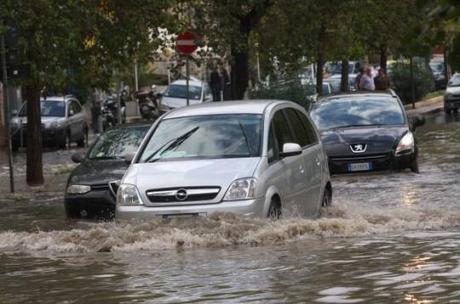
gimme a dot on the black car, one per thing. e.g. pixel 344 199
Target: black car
pixel 366 132
pixel 92 186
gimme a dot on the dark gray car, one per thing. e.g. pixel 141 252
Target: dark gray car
pixel 63 122
pixel 366 132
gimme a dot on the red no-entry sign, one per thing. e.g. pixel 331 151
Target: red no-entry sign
pixel 185 43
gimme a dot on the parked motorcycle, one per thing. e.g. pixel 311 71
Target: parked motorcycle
pixel 109 112
pixel 148 103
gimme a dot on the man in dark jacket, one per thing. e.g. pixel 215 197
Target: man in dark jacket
pixel 225 83
pixel 382 81
pixel 215 84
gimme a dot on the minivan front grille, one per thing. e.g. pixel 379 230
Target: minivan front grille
pixel 182 194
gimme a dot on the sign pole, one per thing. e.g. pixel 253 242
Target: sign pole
pixel 187 75
pixel 7 111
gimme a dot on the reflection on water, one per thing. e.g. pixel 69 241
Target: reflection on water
pixel 389 238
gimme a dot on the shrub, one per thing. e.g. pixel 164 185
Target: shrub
pixel 291 90
pixel 401 81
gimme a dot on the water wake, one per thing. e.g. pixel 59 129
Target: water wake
pixel 224 229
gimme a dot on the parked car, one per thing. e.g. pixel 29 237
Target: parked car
pixel 92 186
pixel 255 158
pixel 62 121
pixel 336 80
pixel 327 89
pixel 366 132
pixel 176 94
pixel 335 68
pixel 452 95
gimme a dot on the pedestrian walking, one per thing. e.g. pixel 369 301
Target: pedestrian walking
pixel 382 81
pixel 358 78
pixel 366 83
pixel 225 84
pixel 215 84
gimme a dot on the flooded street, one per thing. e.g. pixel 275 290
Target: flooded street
pixel 389 238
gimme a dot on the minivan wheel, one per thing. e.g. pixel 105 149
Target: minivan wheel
pixel 274 211
pixel 327 198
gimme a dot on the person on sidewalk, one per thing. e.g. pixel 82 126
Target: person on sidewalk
pixel 215 84
pixel 366 83
pixel 358 78
pixel 225 83
pixel 382 81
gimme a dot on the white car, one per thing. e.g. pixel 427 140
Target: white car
pixel 175 95
pixel 452 95
pixel 255 158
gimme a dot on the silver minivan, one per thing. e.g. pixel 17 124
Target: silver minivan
pixel 256 158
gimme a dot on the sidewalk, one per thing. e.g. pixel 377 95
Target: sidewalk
pixel 432 105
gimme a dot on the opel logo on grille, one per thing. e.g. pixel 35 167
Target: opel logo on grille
pixel 358 148
pixel 181 195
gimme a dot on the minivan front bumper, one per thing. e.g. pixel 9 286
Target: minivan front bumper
pixel 253 207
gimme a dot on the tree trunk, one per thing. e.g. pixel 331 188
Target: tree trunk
pixel 319 74
pixel 383 58
pixel 240 73
pixel 34 136
pixel 412 81
pixel 344 87
pixel 446 65
pixel 240 65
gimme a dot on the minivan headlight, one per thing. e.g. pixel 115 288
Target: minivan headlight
pixel 78 189
pixel 241 189
pixel 128 195
pixel 406 144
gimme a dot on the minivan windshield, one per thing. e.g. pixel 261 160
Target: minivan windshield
pixel 180 91
pixel 355 112
pixel 217 136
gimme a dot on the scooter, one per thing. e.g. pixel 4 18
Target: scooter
pixel 148 103
pixel 109 112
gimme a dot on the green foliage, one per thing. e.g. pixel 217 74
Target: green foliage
pixel 285 90
pixel 401 80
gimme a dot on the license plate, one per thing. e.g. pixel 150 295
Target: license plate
pixel 184 215
pixel 359 167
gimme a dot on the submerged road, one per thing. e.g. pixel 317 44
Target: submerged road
pixel 389 238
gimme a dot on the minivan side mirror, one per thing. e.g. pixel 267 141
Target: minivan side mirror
pixel 128 158
pixel 417 121
pixel 77 158
pixel 291 149
pixel 71 113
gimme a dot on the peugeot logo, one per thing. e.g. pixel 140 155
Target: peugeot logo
pixel 181 195
pixel 358 148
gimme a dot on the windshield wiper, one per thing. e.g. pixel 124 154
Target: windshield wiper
pixel 245 137
pixel 173 143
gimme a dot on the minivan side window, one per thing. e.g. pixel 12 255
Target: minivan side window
pixel 300 132
pixel 282 131
pixel 308 127
pixel 272 151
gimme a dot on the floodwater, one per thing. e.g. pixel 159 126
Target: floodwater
pixel 389 238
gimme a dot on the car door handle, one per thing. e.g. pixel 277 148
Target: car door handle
pixel 302 171
pixel 318 161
